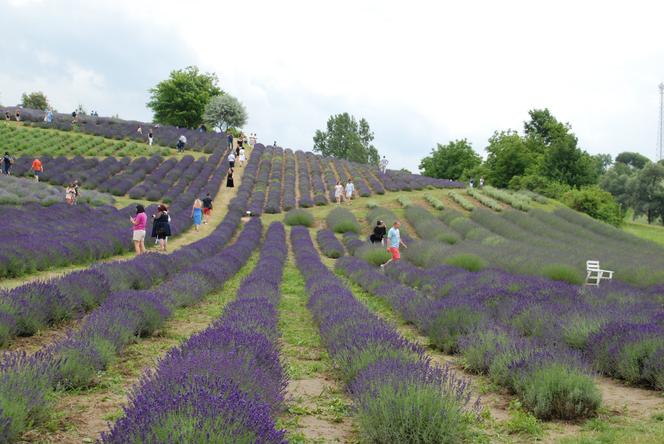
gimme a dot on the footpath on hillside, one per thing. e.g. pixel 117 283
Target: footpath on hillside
pixel 220 205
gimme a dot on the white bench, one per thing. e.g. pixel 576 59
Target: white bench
pixel 594 274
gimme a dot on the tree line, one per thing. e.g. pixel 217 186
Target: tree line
pixel 546 158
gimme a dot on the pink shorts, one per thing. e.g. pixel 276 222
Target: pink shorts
pixel 395 253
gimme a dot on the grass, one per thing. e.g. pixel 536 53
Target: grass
pixel 24 140
pixel 307 360
pixel 654 233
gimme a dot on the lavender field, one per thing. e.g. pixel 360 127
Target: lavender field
pixel 274 323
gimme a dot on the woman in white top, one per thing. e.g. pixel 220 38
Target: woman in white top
pixel 338 192
pixel 243 158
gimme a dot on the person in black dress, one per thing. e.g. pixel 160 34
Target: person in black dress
pixel 379 233
pixel 161 226
pixel 229 179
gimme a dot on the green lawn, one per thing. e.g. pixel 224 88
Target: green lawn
pixel 653 233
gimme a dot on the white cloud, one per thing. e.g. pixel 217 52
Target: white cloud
pixel 420 72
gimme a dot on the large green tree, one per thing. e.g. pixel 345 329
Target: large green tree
pixel 509 155
pixel 450 161
pixel 634 160
pixel 35 100
pixel 180 100
pixel 346 138
pixel 647 192
pixel 224 112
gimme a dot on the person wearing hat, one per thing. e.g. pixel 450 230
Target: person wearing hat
pixel 379 233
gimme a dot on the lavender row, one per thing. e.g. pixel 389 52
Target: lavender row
pixel 261 183
pixel 273 204
pixel 73 362
pixel 62 235
pixel 35 306
pixel 382 370
pixel 225 383
pixel 551 381
pixel 329 244
pixel 241 200
pixel 330 179
pixel 113 128
pixel 304 184
pixel 289 201
pixel 316 179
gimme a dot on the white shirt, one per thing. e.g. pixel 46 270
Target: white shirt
pixel 338 189
pixel 231 157
pixel 241 152
pixel 350 188
pixel 183 139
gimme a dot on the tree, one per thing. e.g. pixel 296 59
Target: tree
pixel 345 138
pixel 450 161
pixel 180 100
pixel 634 160
pixel 647 192
pixel 509 156
pixel 224 112
pixel 602 163
pixel 35 100
pixel 542 125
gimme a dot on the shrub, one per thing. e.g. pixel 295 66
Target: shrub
pixel 596 203
pixel 470 262
pixel 565 273
pixel 374 254
pixel 484 200
pixel 340 220
pixel 446 329
pixel 404 201
pixel 518 201
pixel 371 205
pixel 558 391
pixel 411 413
pixel 298 216
pixel 434 202
pixel 329 244
pixel 458 198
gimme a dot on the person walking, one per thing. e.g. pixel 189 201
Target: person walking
pixel 482 182
pixel 37 169
pixel 338 192
pixel 139 130
pixel 161 226
pixel 229 139
pixel 150 137
pixel 18 115
pixel 76 191
pixel 231 160
pixel 7 162
pixel 139 222
pixel 229 179
pixel 7 116
pixel 393 243
pixel 379 232
pixel 197 213
pixel 207 208
pixel 243 157
pixel 350 190
pixel 472 183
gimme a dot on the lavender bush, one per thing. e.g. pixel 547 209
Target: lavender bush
pixel 225 383
pixel 383 371
pixel 329 244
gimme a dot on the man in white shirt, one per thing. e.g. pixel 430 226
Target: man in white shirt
pixel 350 190
pixel 231 159
pixel 383 165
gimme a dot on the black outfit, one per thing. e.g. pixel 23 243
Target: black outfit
pixel 378 234
pixel 237 151
pixel 207 202
pixel 161 228
pixel 6 163
pixel 229 180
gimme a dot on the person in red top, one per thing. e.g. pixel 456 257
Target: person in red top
pixel 139 222
pixel 37 168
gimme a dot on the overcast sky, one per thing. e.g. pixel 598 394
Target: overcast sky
pixel 420 72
